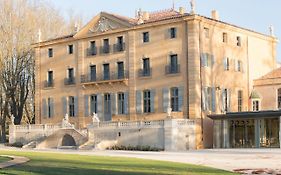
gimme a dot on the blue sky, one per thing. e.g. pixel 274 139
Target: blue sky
pixel 253 14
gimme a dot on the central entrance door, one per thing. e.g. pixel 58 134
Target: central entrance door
pixel 107 107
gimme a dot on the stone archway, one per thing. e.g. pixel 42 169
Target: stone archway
pixel 68 140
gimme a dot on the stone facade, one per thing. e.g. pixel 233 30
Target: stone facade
pixel 211 56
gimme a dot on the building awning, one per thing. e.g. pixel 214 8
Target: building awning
pixel 247 115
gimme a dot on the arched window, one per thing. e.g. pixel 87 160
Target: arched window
pixel 279 98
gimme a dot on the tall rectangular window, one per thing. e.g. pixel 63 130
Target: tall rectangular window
pixel 174 63
pixel 224 37
pixel 240 100
pixel 145 37
pixel 107 104
pixel 93 49
pixel 173 32
pixel 120 44
pixel 49 108
pixel 226 100
pixel 93 73
pixel 50 78
pixel 93 104
pixel 256 105
pixel 174 93
pixel 147 101
pixel 70 73
pixel 120 70
pixel 121 103
pixel 106 46
pixel 238 38
pixel 106 72
pixel 70 49
pixel 50 52
pixel 226 64
pixel 146 67
pixel 71 105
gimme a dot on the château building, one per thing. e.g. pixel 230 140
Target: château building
pixel 135 69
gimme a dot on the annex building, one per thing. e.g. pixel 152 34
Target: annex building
pixel 137 69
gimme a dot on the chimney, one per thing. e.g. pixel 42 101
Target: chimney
pixel 215 15
pixel 145 16
pixel 181 10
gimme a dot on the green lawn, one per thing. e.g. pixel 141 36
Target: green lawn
pixel 4 159
pixel 68 164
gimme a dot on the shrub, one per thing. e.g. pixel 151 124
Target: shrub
pixel 16 144
pixel 134 148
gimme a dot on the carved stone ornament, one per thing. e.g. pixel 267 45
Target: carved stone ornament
pixel 103 26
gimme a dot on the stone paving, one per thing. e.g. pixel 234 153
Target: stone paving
pixel 15 160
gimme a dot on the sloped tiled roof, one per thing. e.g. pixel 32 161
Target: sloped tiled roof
pixel 276 73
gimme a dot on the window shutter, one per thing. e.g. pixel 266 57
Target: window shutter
pixel 203 60
pixel 76 108
pixel 52 107
pixel 176 32
pixel 166 99
pixel 152 93
pixel 139 102
pixel 113 104
pixel 225 63
pixel 181 94
pixel 214 99
pixel 222 100
pixel 228 100
pixel 126 102
pixel 44 108
pixel 203 99
pixel 100 106
pixel 241 66
pixel 236 65
pixel 86 105
pixel 64 106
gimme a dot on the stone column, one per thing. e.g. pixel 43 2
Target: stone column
pixel 168 135
pixel 225 134
pixel 257 133
pixel 216 134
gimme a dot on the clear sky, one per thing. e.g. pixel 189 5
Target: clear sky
pixel 257 15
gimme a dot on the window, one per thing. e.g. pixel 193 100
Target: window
pixel 226 64
pixel 207 60
pixel 93 104
pixel 238 66
pixel 49 108
pixel 93 48
pixel 50 79
pixel 174 64
pixel 106 46
pixel 107 106
pixel 147 101
pixel 93 72
pixel 225 100
pixel 146 67
pixel 70 73
pixel 106 72
pixel 70 77
pixel 145 37
pixel 50 52
pixel 70 49
pixel 240 100
pixel 120 69
pixel 238 38
pixel 256 105
pixel 174 99
pixel 120 44
pixel 279 98
pixel 71 105
pixel 173 32
pixel 206 32
pixel 224 37
pixel 121 103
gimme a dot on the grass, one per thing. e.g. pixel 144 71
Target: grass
pixel 69 164
pixel 4 159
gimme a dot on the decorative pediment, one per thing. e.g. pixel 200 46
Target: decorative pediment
pixel 103 22
pixel 103 25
